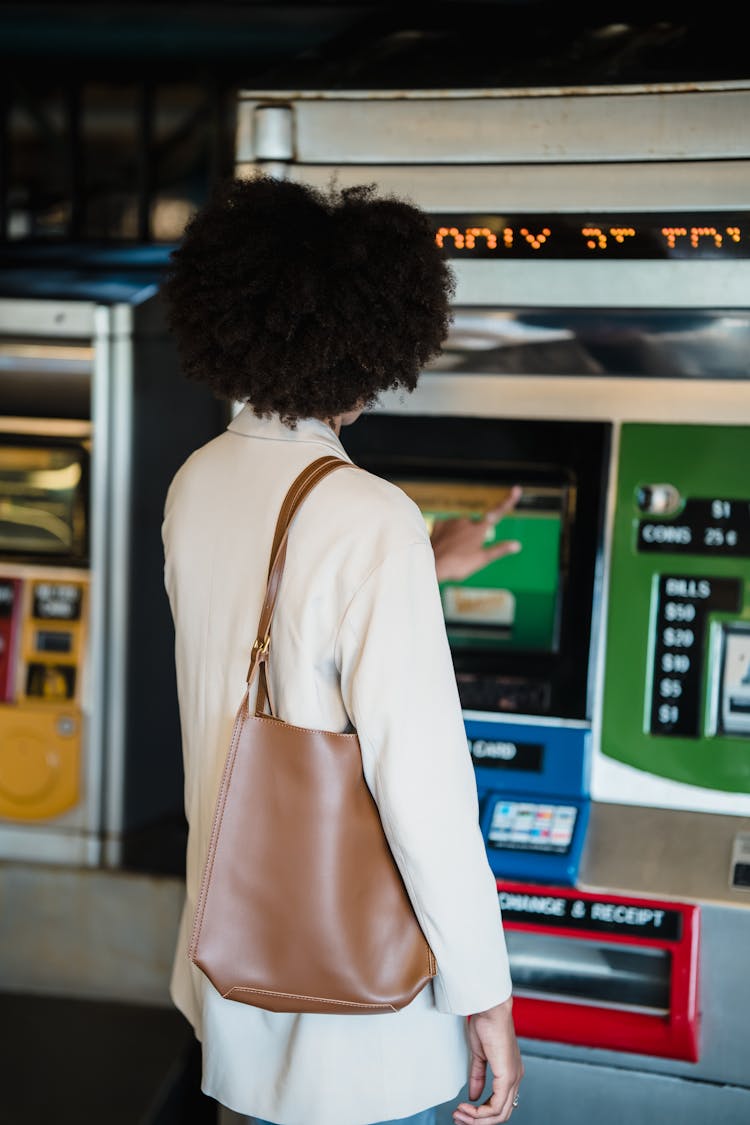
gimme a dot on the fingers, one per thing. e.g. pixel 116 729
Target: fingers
pixel 499 550
pixel 477 1076
pixel 493 1112
pixel 486 1114
pixel 508 504
pixel 498 1107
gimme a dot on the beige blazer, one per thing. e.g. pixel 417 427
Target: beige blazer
pixel 358 641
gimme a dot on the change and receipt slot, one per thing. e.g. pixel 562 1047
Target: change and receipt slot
pixel 604 971
pixel 94 419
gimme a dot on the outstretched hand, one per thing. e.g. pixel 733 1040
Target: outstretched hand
pixel 459 544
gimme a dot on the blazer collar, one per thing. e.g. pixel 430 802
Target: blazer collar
pixel 311 430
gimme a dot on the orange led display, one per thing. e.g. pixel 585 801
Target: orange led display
pixel 480 232
pixel 570 236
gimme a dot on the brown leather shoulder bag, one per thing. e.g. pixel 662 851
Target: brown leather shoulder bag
pixel 302 907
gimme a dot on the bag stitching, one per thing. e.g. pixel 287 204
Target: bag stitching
pixel 301 996
pixel 293 726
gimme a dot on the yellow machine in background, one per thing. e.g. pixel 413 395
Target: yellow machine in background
pixel 95 418
pixel 42 717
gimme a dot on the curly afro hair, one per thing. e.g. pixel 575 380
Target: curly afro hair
pixel 306 303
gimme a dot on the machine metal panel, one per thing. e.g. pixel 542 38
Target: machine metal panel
pixel 120 351
pixel 651 850
pixel 566 1092
pixel 40 845
pixel 680 185
pixel 508 126
pixel 582 398
pixel 615 285
pixel 22 316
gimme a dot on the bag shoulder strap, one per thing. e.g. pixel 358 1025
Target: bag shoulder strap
pixel 299 490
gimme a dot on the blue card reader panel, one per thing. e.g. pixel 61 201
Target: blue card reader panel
pixel 533 787
pixel 527 838
pixel 536 757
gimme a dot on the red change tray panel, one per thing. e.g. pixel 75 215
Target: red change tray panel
pixel 10 597
pixel 622 922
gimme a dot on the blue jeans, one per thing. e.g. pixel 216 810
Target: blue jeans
pixel 426 1117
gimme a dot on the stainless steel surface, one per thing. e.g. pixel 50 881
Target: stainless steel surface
pixel 565 1092
pixel 273 132
pixel 665 343
pixel 98 648
pixel 547 284
pixel 20 316
pixel 582 399
pixel 681 185
pixel 65 843
pixel 511 128
pixel 668 853
pixel 119 514
pixel 462 92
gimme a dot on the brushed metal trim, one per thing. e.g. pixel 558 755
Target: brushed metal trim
pixel 41 316
pixel 636 123
pixel 723 402
pixel 71 847
pixel 118 587
pixel 495 92
pixel 589 284
pixel 98 649
pixel 680 185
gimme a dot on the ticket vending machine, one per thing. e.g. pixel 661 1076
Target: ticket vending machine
pixel 600 241
pixel 95 417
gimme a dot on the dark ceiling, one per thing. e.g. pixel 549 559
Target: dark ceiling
pixel 381 45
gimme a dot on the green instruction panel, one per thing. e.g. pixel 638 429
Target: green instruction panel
pixel 512 602
pixel 677 669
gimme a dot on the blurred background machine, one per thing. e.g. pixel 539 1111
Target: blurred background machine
pixel 90 752
pixel 598 358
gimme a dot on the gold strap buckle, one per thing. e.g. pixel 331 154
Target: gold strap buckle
pixel 259 652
